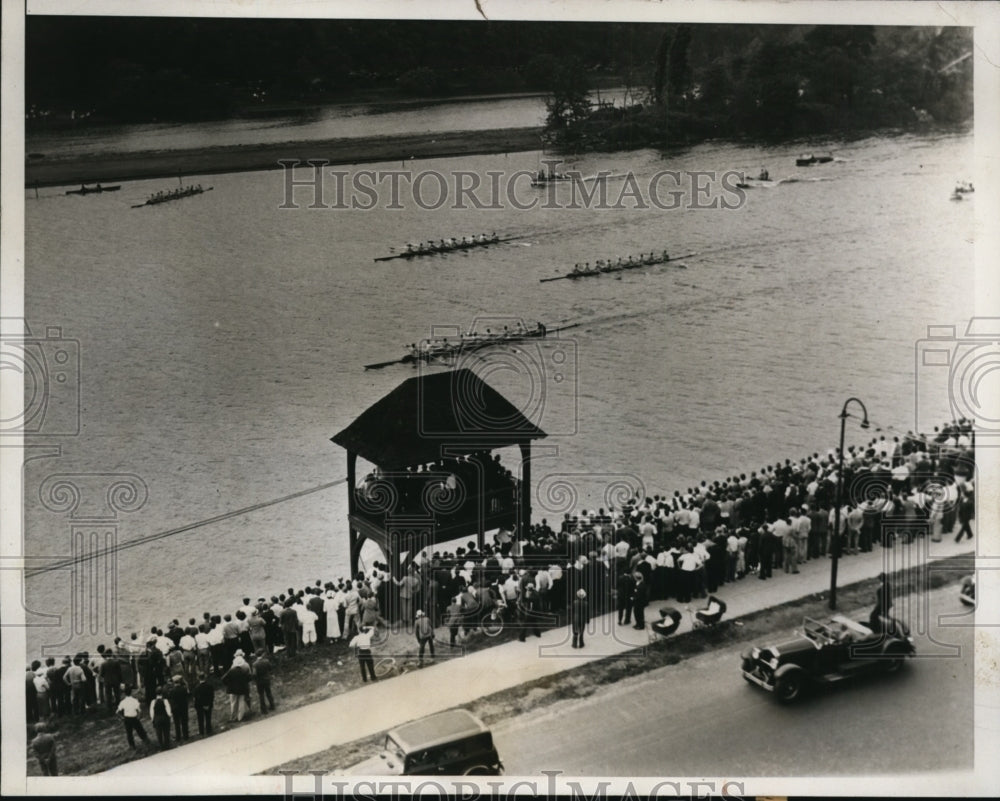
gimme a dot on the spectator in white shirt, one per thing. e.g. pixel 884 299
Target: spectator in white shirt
pixel 130 710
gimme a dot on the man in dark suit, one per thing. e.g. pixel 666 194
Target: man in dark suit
pixel 527 613
pixel 111 676
pixel 178 696
pixel 315 604
pixel 640 597
pixel 625 587
pixel 579 617
pixel 765 552
pixel 289 621
pixel 204 701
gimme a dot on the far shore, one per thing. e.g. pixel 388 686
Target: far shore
pixel 142 165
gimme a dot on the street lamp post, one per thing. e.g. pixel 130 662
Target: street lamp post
pixel 840 482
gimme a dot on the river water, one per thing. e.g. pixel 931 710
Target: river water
pixel 339 121
pixel 222 343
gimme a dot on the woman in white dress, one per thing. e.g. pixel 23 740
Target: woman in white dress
pixel 330 606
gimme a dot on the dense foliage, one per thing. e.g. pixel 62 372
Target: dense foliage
pixel 786 81
pixel 693 79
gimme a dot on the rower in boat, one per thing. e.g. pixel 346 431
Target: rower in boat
pixel 494 238
pixel 764 175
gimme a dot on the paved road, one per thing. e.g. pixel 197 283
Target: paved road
pixel 701 718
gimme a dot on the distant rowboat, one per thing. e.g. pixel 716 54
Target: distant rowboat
pixel 544 178
pixel 178 194
pixel 93 190
pixel 809 159
pixel 449 246
pixel 618 268
pixel 445 350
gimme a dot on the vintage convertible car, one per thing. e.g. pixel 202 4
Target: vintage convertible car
pixel 826 652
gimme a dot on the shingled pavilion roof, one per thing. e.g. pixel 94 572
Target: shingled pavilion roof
pixel 453 408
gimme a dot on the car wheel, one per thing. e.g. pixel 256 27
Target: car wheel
pixel 789 687
pixel 893 659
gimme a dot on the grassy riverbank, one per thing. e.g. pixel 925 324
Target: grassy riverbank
pixel 245 158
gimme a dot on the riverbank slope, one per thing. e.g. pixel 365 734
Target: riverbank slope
pixel 246 158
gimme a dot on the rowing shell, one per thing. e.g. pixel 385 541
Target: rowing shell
pixel 437 251
pixel 617 269
pixel 169 198
pixel 468 347
pixel 92 190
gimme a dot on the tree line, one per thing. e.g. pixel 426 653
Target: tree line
pixel 774 82
pixel 688 78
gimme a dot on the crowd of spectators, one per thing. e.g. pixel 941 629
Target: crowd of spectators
pixel 680 546
pixel 689 544
pixel 437 487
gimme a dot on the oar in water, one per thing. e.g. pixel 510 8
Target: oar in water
pixel 409 357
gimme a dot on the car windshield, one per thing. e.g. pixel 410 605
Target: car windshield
pixel 392 748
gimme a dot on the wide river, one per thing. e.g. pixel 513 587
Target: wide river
pixel 222 343
pixel 336 121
